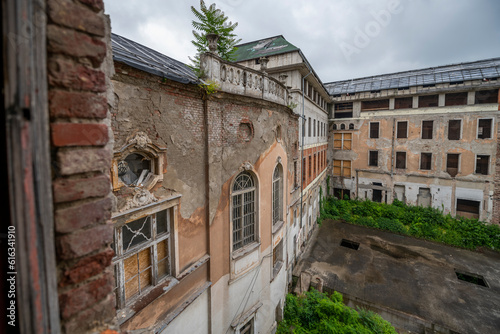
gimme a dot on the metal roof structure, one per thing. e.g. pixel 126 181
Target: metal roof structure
pixel 264 47
pixel 477 70
pixel 148 60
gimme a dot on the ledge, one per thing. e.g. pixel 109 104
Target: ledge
pixel 242 252
pixel 277 227
pixel 193 267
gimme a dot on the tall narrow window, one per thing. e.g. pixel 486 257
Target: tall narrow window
pixel 401 160
pixel 295 175
pixel 310 166
pixel 454 126
pixel 314 128
pixel 309 127
pixel 243 208
pixel 374 129
pixel 402 131
pixel 482 162
pixel 425 161
pixel 277 194
pixel 314 165
pixel 484 128
pixel 304 170
pixel 373 158
pixel 427 129
pixel 452 164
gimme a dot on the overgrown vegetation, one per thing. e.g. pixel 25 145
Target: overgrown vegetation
pixel 421 222
pixel 212 21
pixel 316 313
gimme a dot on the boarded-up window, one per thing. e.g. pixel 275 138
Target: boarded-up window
pixel 401 160
pixel 486 96
pixel 425 161
pixel 427 129
pixel 455 99
pixel 484 128
pixel 343 110
pixel 424 197
pixel 482 162
pixel 452 164
pixel 374 129
pixel 427 101
pixel 373 158
pixel 342 141
pixel 402 131
pixel 375 105
pixel 342 168
pixel 142 249
pixel 403 102
pixel 467 208
pixel 454 126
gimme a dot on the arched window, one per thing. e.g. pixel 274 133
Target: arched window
pixel 334 126
pixel 351 126
pixel 342 126
pixel 277 194
pixel 244 210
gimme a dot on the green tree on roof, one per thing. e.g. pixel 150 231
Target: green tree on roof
pixel 212 21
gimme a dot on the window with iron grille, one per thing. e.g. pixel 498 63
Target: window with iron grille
pixel 374 130
pixel 243 211
pixel 402 129
pixel 455 99
pixel 342 141
pixel 428 101
pixel 427 129
pixel 452 163
pixel 401 160
pixel 482 162
pixel 143 254
pixel 484 128
pixel 454 126
pixel 373 158
pixel 403 102
pixel 277 194
pixel 425 161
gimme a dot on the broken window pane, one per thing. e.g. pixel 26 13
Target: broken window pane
pixel 482 162
pixel 134 169
pixel 484 129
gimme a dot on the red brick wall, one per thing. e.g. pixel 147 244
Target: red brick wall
pixel 316 166
pixel 77 47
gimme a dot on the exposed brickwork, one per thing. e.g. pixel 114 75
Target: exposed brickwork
pixel 76 50
pixel 67 190
pixel 314 166
pixel 66 104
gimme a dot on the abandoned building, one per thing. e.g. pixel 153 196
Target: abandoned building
pixel 426 137
pixel 145 201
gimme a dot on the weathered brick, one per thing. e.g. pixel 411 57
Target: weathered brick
pixel 87 321
pixel 81 160
pixel 87 268
pixel 78 134
pixel 77 104
pixel 96 5
pixel 66 73
pixel 75 44
pixel 84 242
pixel 82 215
pixel 75 15
pixel 67 190
pixel 78 299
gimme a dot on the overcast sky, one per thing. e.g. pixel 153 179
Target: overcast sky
pixel 342 39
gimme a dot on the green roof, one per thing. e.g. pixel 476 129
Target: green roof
pixel 264 47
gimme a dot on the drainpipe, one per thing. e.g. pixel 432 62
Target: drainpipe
pixel 302 148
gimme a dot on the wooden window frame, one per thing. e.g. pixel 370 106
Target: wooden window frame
pixel 121 255
pixel 341 138
pixel 241 194
pixel 453 171
pixel 277 194
pixel 491 128
pixel 477 170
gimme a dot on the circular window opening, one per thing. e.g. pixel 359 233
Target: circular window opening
pixel 134 169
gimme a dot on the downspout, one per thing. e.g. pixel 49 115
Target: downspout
pixel 302 149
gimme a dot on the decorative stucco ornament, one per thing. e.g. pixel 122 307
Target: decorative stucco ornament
pixel 246 166
pixel 140 140
pixel 141 197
